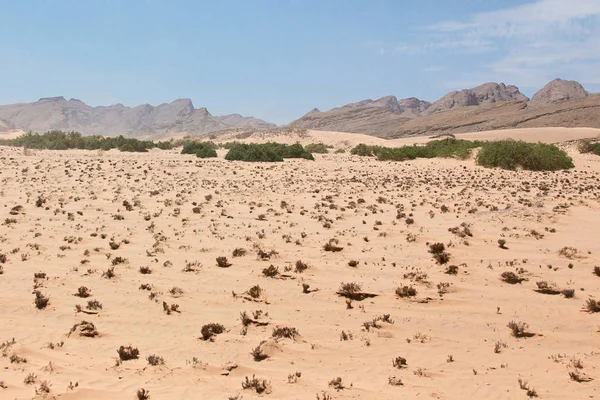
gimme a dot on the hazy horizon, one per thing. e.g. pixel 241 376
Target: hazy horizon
pixel 277 60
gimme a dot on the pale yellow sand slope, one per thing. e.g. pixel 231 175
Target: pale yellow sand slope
pixel 348 140
pixel 187 212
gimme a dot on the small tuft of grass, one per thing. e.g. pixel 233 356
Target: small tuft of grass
pixel 580 377
pixel 239 252
pixel 143 394
pixel 41 301
pixel 222 262
pixel 568 293
pixel 109 273
pixel 511 277
pixel 257 353
pixel 285 332
pixel 83 292
pixel 256 384
pixel 337 384
pixel 145 270
pixel 592 306
pixel 332 246
pixel 209 331
pixel 255 291
pixel 519 329
pixel 406 291
pixel 350 289
pixel 128 353
pixel 271 271
pixel 531 392
pixel 155 360
pixel 301 266
pixel 30 379
pixel 399 362
pixel 85 328
pixel 94 305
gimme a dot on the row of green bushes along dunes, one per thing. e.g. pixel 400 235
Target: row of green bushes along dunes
pixel 506 154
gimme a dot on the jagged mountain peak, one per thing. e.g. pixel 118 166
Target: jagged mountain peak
pixel 558 90
pixel 175 117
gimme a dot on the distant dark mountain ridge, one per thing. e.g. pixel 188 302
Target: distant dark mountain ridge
pixel 144 120
pixel 486 107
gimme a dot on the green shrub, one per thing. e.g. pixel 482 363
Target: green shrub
pixel 268 152
pixel 318 148
pixel 444 148
pixel 190 147
pixel 362 150
pixel 200 149
pixel 133 145
pixel 59 140
pixel 206 152
pixel 448 147
pixel 511 154
pixel 228 145
pixel 588 146
pixel 507 154
pixel 251 152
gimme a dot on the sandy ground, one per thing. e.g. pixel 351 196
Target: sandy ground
pixel 347 141
pixel 84 212
pixel 11 134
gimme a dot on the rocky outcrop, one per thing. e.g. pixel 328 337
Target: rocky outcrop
pixel 487 93
pixel 556 91
pixel 409 107
pixel 178 116
pixel 486 107
pixel 413 106
pixel 237 120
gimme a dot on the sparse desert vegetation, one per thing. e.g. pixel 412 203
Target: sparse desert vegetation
pixel 266 152
pixel 160 274
pixel 200 149
pixel 60 140
pixel 318 148
pixel 511 154
pixel 506 154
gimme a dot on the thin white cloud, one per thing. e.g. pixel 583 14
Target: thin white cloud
pixel 450 26
pixel 523 20
pixel 536 42
pixel 465 45
pixel 435 68
pixel 542 13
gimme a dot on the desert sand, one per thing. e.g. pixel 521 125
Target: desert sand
pixel 161 219
pixel 346 141
pixel 11 134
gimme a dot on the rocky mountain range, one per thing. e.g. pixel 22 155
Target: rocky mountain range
pixel 145 120
pixel 485 107
pixel 487 93
pixel 488 106
pixel 406 107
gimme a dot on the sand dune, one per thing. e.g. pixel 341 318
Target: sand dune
pixel 11 134
pixel 348 140
pixel 82 213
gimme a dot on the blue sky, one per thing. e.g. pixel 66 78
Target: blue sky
pixel 276 60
